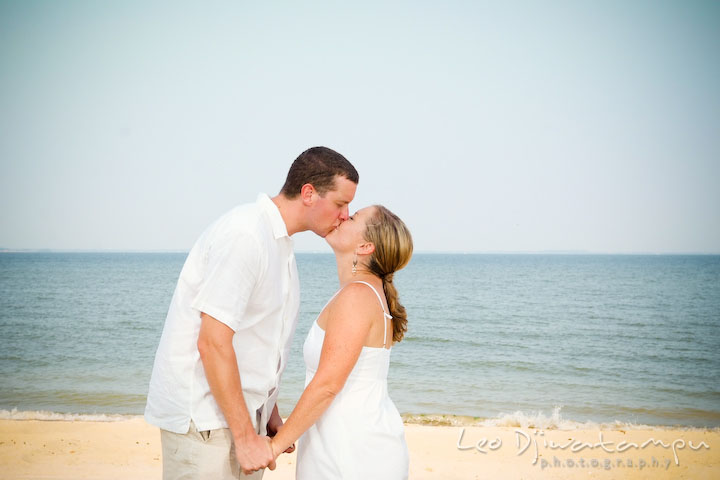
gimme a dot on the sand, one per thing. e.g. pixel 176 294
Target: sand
pixel 34 449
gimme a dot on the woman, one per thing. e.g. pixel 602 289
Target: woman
pixel 350 428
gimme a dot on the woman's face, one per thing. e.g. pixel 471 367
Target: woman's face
pixel 350 233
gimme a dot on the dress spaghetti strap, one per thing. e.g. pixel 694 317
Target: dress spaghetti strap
pixel 386 315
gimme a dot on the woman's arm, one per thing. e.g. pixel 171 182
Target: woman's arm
pixel 350 317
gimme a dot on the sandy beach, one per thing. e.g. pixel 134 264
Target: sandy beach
pixel 35 449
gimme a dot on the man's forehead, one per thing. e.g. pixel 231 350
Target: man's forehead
pixel 344 189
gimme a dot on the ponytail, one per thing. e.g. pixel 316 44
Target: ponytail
pixel 393 250
pixel 397 310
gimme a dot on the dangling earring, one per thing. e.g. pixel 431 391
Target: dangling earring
pixel 354 269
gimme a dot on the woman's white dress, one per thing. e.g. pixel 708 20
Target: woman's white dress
pixel 361 435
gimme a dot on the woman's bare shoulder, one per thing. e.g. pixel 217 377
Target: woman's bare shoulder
pixel 353 300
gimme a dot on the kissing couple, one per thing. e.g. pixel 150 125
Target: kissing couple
pixel 230 324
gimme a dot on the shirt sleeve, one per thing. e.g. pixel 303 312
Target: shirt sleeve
pixel 232 270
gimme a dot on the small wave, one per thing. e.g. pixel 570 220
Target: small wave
pixel 430 340
pixel 440 420
pixel 534 420
pixel 554 421
pixel 16 414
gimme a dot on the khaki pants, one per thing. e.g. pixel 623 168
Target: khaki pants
pixel 201 455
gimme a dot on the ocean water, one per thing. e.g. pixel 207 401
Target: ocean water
pixel 591 338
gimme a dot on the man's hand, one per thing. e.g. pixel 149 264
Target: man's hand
pixel 254 453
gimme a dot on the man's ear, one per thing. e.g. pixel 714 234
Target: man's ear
pixel 306 194
pixel 366 248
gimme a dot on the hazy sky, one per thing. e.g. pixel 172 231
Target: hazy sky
pixel 487 126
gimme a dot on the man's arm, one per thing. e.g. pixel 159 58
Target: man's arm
pixel 218 357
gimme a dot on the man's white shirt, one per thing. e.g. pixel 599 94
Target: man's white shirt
pixel 242 272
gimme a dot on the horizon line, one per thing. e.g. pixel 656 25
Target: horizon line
pixel 322 252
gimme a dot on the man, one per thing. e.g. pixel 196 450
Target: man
pixel 230 325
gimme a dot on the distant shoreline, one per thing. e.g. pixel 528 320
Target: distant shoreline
pixel 578 253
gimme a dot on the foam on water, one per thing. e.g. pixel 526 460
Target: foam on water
pixel 16 414
pixel 554 421
pixel 536 420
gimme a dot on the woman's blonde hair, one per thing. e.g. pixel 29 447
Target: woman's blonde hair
pixel 393 249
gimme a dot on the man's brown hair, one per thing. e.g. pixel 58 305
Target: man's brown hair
pixel 317 166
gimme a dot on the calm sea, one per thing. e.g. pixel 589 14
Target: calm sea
pixel 590 338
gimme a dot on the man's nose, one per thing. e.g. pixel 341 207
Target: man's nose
pixel 344 215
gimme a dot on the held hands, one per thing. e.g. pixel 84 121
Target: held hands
pixel 258 452
pixel 254 453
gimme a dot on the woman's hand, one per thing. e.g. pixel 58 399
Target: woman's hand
pixel 276 448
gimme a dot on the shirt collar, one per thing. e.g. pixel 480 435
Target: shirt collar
pixel 276 221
